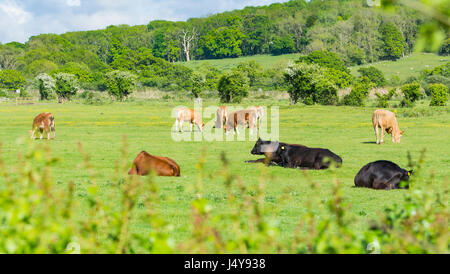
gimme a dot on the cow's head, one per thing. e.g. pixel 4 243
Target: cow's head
pixel 397 136
pixel 265 147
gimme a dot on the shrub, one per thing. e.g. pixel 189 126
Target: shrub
pixel 439 94
pixel 359 93
pixel 375 75
pixel 198 85
pixel 120 84
pixel 233 86
pixel 393 41
pixel 94 98
pixel 66 86
pixel 325 59
pixel 252 69
pixel 282 45
pixel 341 78
pixel 308 82
pixel 383 100
pixel 411 94
pixel 11 79
pixel 46 85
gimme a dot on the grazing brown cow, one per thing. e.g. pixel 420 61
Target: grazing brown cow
pixel 259 114
pixel 222 114
pixel 386 120
pixel 241 117
pixel 162 166
pixel 44 122
pixel 188 115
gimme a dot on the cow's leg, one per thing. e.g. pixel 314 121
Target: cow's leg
pixel 192 124
pixel 176 125
pixel 32 133
pixel 41 131
pixel 181 126
pixel 382 135
pixel 377 134
pixel 54 133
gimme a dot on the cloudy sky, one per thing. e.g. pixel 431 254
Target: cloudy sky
pixel 20 19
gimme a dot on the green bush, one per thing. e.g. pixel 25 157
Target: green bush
pixel 46 85
pixel 375 75
pixel 11 79
pixel 439 94
pixel 94 98
pixel 411 93
pixel 66 86
pixel 233 87
pixel 308 82
pixel 120 84
pixel 198 85
pixel 383 100
pixel 358 94
pixel 325 59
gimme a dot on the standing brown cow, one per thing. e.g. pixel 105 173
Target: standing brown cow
pixel 259 114
pixel 44 122
pixel 162 166
pixel 387 121
pixel 188 115
pixel 242 117
pixel 222 114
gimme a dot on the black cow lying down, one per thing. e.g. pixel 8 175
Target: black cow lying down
pixel 294 156
pixel 382 175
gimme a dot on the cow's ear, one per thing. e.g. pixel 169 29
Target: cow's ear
pixel 402 132
pixel 410 173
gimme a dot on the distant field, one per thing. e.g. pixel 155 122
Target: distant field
pixel 403 68
pixel 147 124
pixel 408 66
pixel 267 61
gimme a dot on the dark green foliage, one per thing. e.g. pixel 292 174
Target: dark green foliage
pixel 358 94
pixel 307 82
pixel 252 69
pixel 120 84
pixel 439 94
pixel 325 59
pixel 393 42
pixel 222 42
pixel 282 45
pixel 445 49
pixel 198 85
pixel 233 87
pixel 411 93
pixel 383 100
pixel 375 75
pixel 66 86
pixel 11 79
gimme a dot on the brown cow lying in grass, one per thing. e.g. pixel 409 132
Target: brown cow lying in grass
pixel 188 115
pixel 162 166
pixel 242 117
pixel 44 122
pixel 387 121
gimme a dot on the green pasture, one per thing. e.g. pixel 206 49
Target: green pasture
pixel 406 67
pixel 347 131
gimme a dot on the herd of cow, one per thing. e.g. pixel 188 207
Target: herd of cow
pixel 376 175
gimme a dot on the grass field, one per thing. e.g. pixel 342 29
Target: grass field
pixel 403 68
pixel 346 131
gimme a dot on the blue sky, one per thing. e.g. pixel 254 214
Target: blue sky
pixel 20 19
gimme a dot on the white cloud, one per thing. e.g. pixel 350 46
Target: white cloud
pixel 73 3
pixel 14 12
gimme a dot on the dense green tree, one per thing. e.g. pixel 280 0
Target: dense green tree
pixel 282 45
pixel 120 84
pixel 221 43
pixel 11 79
pixel 375 75
pixel 307 82
pixel 393 42
pixel 66 86
pixel 439 94
pixel 233 87
pixel 325 59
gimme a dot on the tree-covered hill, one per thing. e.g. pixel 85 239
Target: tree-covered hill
pixel 358 33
